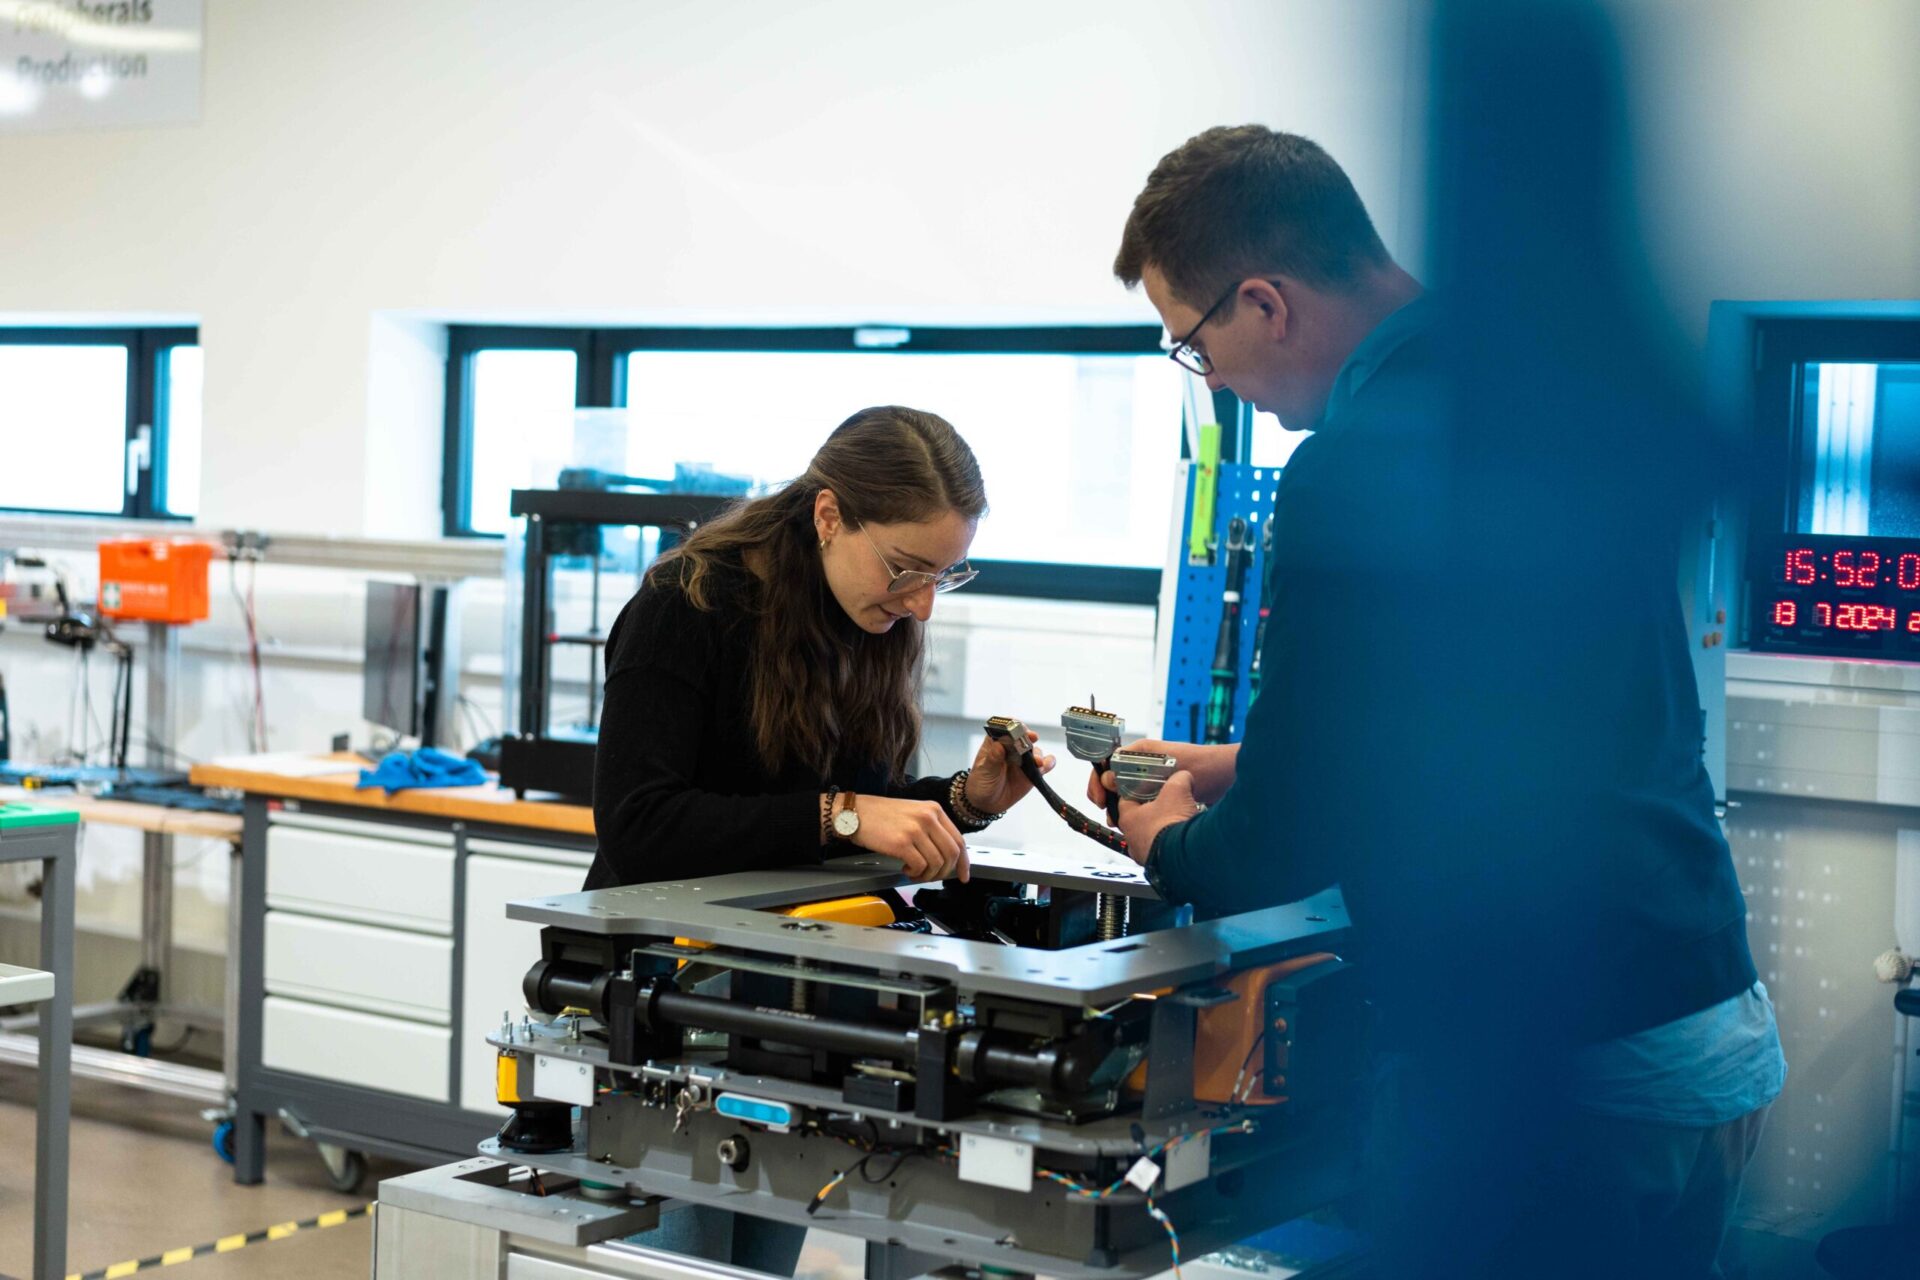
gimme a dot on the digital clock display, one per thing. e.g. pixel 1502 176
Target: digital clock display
pixel 1838 596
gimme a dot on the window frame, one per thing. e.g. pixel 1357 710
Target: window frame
pixel 601 377
pixel 146 391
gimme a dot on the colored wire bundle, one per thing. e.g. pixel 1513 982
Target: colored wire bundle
pixel 1100 1193
pixel 1159 1215
pixel 1243 1083
pixel 1154 1211
pixel 257 714
pixel 820 1196
pixel 868 1150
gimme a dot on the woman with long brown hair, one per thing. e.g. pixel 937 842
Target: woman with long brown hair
pixel 763 701
pixel 762 689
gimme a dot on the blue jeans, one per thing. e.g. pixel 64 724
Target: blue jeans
pixel 1476 1171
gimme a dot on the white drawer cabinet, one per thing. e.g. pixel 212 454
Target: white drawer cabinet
pixel 396 877
pixel 350 1047
pixel 386 971
pixel 499 951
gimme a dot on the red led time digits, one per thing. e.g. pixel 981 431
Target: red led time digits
pixel 1800 569
pixel 1856 568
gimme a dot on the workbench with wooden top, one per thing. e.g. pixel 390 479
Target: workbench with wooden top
pixel 375 954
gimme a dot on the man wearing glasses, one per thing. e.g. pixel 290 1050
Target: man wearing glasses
pixel 1577 1055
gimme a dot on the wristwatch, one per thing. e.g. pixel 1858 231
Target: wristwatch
pixel 846 823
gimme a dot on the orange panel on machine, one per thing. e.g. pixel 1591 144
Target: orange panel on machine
pixel 1225 1034
pixel 154 579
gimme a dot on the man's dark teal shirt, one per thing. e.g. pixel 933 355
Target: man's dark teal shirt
pixel 1488 736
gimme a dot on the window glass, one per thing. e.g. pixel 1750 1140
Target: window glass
pixel 1078 451
pixel 1272 444
pixel 522 425
pixel 63 427
pixel 1860 437
pixel 181 412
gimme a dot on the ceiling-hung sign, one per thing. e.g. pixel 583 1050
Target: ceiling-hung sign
pixel 105 64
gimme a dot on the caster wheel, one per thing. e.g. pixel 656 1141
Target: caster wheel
pixel 223 1140
pixel 138 1041
pixel 348 1172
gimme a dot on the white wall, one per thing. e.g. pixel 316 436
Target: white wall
pixel 852 160
pixel 1779 148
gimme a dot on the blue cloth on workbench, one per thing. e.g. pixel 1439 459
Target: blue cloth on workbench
pixel 427 767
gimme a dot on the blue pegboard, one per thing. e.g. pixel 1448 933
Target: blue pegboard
pixel 1244 491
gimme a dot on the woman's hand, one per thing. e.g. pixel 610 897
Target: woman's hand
pixel 994 783
pixel 1211 764
pixel 916 833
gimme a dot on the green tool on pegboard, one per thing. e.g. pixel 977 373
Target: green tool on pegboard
pixel 1206 479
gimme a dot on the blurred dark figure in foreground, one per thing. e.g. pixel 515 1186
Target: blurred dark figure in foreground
pixel 1480 716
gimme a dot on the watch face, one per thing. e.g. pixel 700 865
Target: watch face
pixel 846 823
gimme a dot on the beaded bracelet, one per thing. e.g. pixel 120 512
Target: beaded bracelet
pixel 827 798
pixel 971 818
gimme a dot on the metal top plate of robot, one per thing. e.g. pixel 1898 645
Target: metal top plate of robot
pixel 732 911
pixel 1091 868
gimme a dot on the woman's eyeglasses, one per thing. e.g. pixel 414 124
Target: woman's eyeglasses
pixel 904 582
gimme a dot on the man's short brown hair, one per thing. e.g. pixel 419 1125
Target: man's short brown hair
pixel 1242 201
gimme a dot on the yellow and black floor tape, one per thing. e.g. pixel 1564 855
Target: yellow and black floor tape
pixel 225 1244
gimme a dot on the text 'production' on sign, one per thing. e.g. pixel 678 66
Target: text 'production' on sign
pixel 117 64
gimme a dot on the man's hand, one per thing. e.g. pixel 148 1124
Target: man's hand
pixel 1140 823
pixel 1211 764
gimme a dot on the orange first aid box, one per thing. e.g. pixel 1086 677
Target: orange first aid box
pixel 154 579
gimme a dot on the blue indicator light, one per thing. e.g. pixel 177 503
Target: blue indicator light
pixel 774 1115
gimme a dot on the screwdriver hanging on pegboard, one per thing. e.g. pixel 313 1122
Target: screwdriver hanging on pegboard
pixel 1266 607
pixel 1226 650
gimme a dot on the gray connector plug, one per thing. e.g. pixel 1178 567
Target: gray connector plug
pixel 1092 735
pixel 1138 775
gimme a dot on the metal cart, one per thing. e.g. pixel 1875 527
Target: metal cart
pixel 30 834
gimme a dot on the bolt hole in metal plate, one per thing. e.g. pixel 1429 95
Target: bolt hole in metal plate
pixel 804 926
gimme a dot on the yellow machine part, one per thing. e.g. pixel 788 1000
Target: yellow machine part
pixel 506 1079
pixel 1224 1036
pixel 865 910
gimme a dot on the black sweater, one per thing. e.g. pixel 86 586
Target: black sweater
pixel 679 788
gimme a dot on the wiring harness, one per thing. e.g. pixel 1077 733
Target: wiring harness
pixel 1012 735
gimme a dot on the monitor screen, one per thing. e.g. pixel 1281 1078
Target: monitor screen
pixel 394 663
